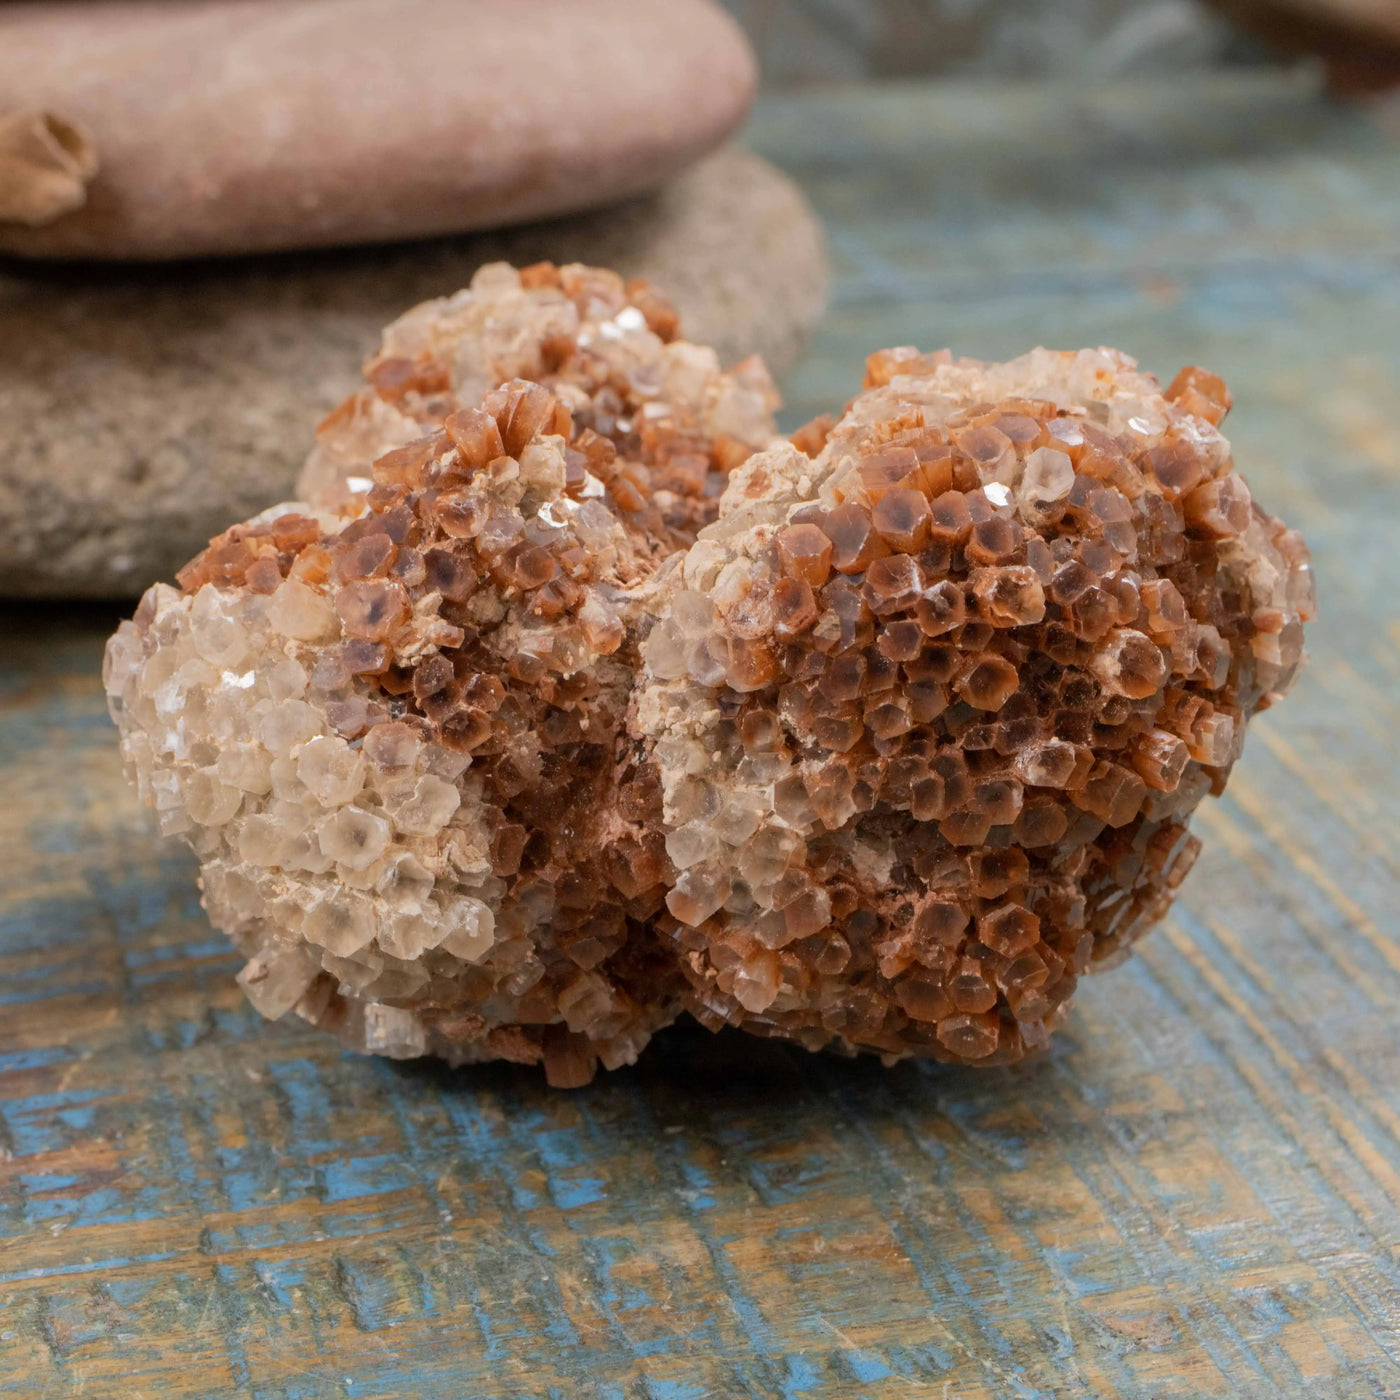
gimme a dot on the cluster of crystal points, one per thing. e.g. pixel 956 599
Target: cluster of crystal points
pixel 571 698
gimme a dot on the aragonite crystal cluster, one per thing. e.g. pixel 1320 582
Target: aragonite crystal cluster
pixel 572 698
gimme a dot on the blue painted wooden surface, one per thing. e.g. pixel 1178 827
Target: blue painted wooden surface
pixel 1195 1194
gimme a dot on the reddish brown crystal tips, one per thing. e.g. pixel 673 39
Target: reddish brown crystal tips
pixel 1014 623
pixel 576 713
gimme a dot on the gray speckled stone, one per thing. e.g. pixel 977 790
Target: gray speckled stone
pixel 144 409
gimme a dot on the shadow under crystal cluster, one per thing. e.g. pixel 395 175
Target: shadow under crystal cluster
pixel 571 698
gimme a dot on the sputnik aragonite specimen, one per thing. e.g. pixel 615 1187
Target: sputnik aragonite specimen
pixel 567 703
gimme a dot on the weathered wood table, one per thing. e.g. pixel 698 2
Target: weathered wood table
pixel 1196 1193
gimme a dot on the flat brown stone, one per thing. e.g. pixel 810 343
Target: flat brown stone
pixel 143 410
pixel 227 126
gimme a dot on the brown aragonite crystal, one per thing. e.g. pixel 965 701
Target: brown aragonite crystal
pixel 933 700
pixel 570 698
pixel 608 351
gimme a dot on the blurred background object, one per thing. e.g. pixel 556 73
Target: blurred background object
pixel 806 41
pixel 813 41
pixel 1358 41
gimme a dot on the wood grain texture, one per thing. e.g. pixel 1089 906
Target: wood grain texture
pixel 1196 1193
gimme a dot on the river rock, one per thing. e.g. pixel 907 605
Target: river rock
pixel 228 126
pixel 144 409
